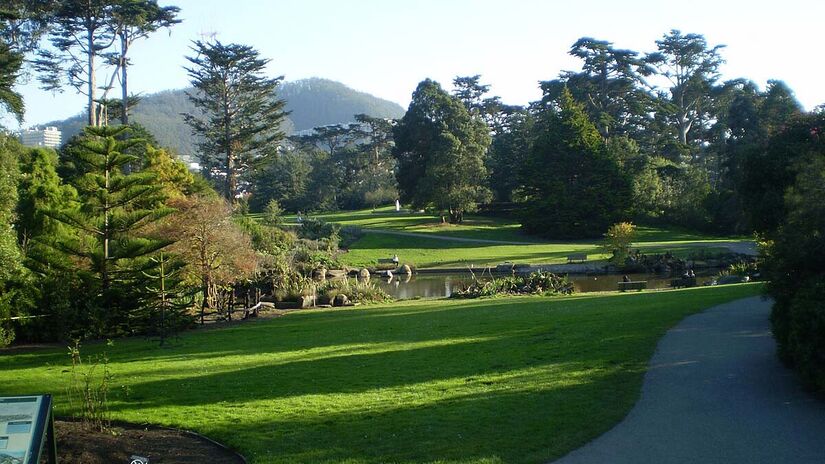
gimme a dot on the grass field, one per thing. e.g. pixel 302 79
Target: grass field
pixel 517 380
pixel 433 252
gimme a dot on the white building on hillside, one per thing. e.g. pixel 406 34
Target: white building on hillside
pixel 45 137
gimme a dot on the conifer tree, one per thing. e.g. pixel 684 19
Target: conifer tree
pixel 242 117
pixel 113 207
pixel 167 299
pixel 40 190
pixel 10 259
pixel 573 189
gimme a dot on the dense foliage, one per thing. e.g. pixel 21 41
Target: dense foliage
pixel 241 116
pixel 535 283
pixel 572 188
pixel 441 147
pixel 795 255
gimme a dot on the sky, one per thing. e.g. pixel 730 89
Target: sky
pixel 385 47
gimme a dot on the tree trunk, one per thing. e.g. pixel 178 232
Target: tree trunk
pixel 205 290
pixel 92 84
pixel 124 97
pixel 456 216
pixel 231 304
pixel 230 155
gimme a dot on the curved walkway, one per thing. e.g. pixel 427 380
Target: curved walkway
pixel 716 393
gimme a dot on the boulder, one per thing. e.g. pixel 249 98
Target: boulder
pixel 405 269
pixel 340 300
pixel 364 274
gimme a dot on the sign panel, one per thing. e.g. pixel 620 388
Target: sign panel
pixel 25 424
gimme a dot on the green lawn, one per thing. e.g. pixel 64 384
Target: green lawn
pixel 517 380
pixel 433 252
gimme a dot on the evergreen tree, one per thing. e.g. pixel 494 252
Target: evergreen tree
pixel 241 115
pixel 441 151
pixel 692 68
pixel 167 299
pixel 572 188
pixel 10 63
pixel 80 33
pixel 10 258
pixel 509 149
pixel 134 20
pixel 113 207
pixel 610 86
pixel 172 175
pixel 40 190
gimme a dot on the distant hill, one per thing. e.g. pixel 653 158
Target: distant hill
pixel 312 102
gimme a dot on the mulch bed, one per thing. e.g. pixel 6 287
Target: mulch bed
pixel 121 441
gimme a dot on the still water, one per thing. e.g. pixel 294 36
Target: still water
pixel 443 285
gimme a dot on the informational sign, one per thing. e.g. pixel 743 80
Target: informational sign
pixel 26 428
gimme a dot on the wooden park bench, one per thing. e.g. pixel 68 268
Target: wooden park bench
pixel 633 285
pixel 580 257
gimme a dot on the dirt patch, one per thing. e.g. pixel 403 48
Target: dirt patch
pixel 160 445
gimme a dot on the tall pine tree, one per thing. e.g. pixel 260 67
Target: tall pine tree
pixel 242 116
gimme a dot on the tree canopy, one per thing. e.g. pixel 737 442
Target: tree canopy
pixel 441 151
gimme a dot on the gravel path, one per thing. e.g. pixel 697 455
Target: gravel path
pixel 716 393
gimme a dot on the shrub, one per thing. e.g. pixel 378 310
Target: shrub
pixel 357 292
pixel 535 283
pixel 618 239
pixel 741 269
pixel 800 323
pixel 292 286
pixel 316 229
pixel 795 267
pixel 88 388
pixel 273 213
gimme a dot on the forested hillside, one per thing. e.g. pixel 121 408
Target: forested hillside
pixel 311 102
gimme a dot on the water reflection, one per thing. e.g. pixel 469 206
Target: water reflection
pixel 405 287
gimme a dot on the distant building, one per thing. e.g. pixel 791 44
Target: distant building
pixel 46 137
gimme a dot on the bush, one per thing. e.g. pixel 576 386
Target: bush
pixel 795 267
pixel 88 388
pixel 535 283
pixel 273 213
pixel 799 326
pixel 316 229
pixel 291 287
pixel 357 292
pixel 618 239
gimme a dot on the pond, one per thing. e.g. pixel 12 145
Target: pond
pixel 442 285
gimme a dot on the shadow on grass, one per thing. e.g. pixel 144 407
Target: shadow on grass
pixel 472 428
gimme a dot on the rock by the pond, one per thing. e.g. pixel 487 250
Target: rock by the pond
pixel 336 273
pixel 320 273
pixel 364 273
pixel 405 269
pixel 732 279
pixel 340 300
